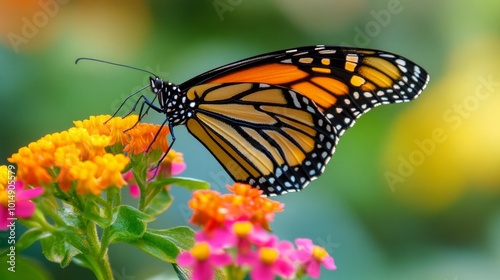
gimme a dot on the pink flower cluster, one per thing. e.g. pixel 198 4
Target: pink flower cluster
pixel 242 247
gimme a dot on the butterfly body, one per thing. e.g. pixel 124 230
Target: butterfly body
pixel 273 120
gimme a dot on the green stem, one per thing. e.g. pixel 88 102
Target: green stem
pixel 99 260
pixel 235 273
pixel 141 182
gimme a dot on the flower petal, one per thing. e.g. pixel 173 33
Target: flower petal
pixel 313 269
pixel 329 263
pixel 219 260
pixel 203 271
pixel 3 218
pixel 134 191
pixel 304 243
pixel 177 167
pixel 25 209
pixel 27 194
pixel 185 259
pixel 284 268
pixel 262 272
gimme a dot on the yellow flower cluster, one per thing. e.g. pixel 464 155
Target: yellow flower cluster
pixel 78 156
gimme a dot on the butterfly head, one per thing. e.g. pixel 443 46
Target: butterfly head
pixel 156 84
pixel 170 99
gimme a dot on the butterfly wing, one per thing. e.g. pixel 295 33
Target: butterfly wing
pixel 343 82
pixel 264 135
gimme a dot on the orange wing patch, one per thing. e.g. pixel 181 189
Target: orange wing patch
pixel 321 97
pixel 384 66
pixel 273 96
pixel 198 91
pixel 375 76
pixel 226 92
pixel 273 74
pixel 306 128
pixel 240 112
pixel 272 150
pixel 293 154
pixel 333 85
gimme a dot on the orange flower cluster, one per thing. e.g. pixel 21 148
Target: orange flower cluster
pixel 78 155
pixel 212 209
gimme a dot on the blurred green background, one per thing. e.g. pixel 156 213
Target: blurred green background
pixel 413 191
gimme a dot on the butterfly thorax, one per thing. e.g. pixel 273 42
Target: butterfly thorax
pixel 173 101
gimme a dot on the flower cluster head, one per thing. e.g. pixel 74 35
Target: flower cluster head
pixel 88 156
pixel 236 236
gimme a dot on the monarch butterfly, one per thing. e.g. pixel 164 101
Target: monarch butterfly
pixel 273 120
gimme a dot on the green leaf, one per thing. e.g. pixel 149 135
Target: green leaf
pixel 71 218
pixel 188 183
pixel 127 225
pixel 185 273
pixel 182 237
pixel 76 226
pixel 161 202
pixel 29 237
pixel 74 237
pixel 157 246
pixel 56 248
pixel 166 244
pixel 62 245
pixel 82 260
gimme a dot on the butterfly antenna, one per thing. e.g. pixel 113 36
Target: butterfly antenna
pixel 113 63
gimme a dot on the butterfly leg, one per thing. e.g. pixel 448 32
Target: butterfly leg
pixel 149 104
pixel 170 127
pixel 125 101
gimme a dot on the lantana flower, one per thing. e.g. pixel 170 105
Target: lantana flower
pixel 312 257
pixel 81 157
pixel 204 259
pixel 238 223
pixel 270 262
pixel 212 210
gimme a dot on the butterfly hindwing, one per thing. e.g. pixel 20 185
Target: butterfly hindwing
pixel 265 135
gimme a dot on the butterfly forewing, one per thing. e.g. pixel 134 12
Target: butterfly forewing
pixel 343 82
pixel 265 135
